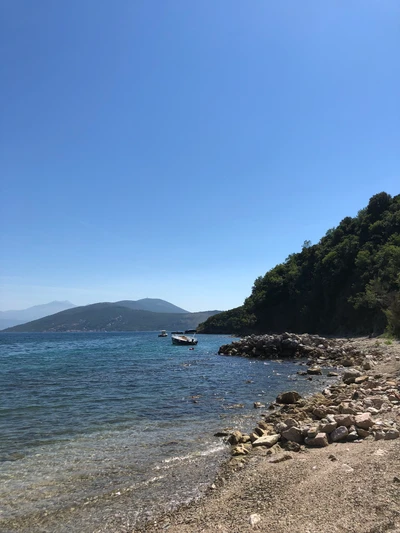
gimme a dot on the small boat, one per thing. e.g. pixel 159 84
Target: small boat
pixel 184 340
pixel 163 333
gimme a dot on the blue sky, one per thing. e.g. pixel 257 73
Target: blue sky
pixel 178 149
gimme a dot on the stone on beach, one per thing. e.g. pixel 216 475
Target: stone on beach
pixel 267 440
pixel 364 421
pixel 288 397
pixel 293 434
pixel 320 440
pixel 340 433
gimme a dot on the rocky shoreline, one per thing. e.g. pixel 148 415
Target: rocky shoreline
pixel 360 410
pixel 363 405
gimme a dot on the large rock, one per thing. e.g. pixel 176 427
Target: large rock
pixel 327 427
pixel 392 434
pixel 239 450
pixel 364 421
pixel 344 420
pixel 288 397
pixel 339 433
pixel 319 441
pixel 267 440
pixel 293 434
pixel 235 437
pixel 362 433
pixel 350 375
pixel 314 371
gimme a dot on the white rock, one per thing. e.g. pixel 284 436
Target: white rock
pixel 254 519
pixel 347 468
pixel 267 440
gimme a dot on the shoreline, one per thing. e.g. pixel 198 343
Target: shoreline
pixel 343 486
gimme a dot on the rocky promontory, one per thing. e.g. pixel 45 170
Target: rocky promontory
pixel 326 351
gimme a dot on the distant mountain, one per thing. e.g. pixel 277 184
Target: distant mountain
pixel 154 305
pixel 13 318
pixel 114 317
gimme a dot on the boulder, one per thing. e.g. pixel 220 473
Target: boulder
pixel 392 434
pixel 319 441
pixel 235 437
pixel 327 427
pixel 361 379
pixel 320 411
pixel 280 427
pixel 239 450
pixel 260 432
pixel 314 370
pixel 312 432
pixel 288 397
pixel 349 376
pixel 352 435
pixel 364 421
pixel 362 433
pixel 344 420
pixel 291 422
pixel 293 434
pixel 346 408
pixel 267 440
pixel 339 433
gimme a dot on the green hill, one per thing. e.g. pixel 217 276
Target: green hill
pixel 152 304
pixel 347 283
pixel 113 317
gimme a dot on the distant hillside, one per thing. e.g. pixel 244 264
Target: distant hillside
pixel 154 305
pixel 13 318
pixel 113 317
pixel 347 283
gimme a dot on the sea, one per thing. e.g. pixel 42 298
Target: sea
pixel 106 430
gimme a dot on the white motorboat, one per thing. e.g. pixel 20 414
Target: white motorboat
pixel 184 340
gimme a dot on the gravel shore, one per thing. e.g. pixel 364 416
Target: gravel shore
pixel 351 487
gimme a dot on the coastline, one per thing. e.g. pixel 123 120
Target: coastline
pixel 346 486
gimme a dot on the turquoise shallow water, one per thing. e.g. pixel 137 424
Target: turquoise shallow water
pixel 116 426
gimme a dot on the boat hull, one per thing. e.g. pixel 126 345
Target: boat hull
pixel 184 340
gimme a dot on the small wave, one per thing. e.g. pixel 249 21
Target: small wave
pixel 210 451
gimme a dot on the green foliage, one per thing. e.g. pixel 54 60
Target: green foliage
pixel 348 282
pixel 234 321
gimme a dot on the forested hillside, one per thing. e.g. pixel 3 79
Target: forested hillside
pixel 347 283
pixel 113 317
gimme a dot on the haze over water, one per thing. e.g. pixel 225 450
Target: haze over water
pixel 103 427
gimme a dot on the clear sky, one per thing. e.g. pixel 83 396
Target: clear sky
pixel 178 150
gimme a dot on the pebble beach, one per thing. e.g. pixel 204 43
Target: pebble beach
pixel 342 474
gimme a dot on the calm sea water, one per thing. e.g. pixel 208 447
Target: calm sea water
pixel 109 428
